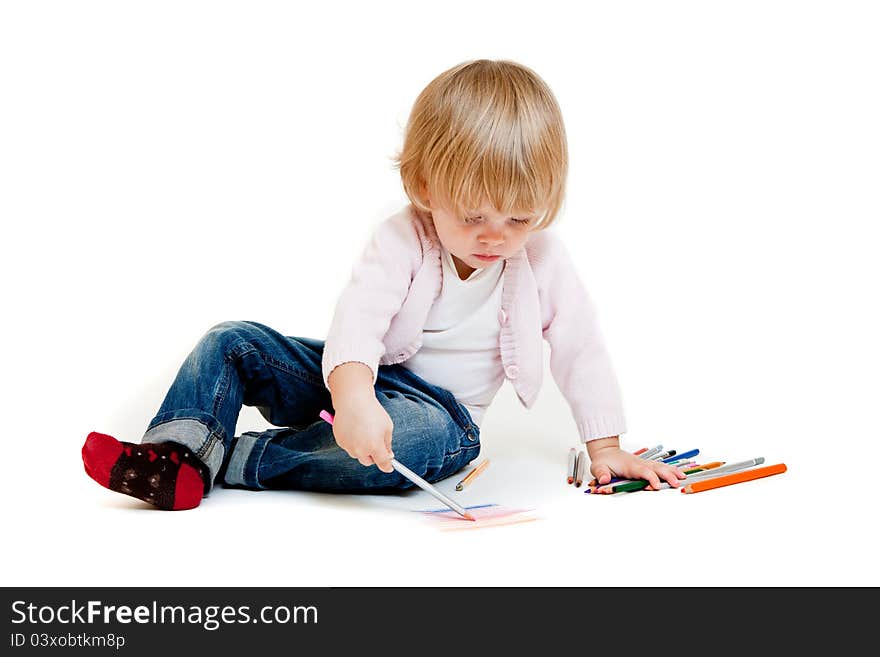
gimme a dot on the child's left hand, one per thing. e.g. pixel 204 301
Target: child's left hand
pixel 608 460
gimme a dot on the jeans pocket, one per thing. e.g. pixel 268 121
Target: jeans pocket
pixel 468 450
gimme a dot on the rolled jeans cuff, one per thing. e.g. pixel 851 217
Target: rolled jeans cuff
pixel 244 461
pixel 193 430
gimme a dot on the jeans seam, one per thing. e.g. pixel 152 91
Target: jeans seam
pixel 304 376
pixel 222 389
pixel 463 421
pixel 461 449
pixel 211 441
pixel 175 418
pixel 255 456
pixel 233 355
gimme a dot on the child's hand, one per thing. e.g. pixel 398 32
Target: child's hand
pixel 608 460
pixel 363 429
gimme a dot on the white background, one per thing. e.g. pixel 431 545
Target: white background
pixel 168 165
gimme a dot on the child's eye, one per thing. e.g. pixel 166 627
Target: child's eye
pixel 473 220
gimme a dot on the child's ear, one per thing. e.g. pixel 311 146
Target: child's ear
pixel 423 193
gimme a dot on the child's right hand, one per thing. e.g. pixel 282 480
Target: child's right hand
pixel 363 428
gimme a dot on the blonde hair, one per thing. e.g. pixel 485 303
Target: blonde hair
pixel 486 130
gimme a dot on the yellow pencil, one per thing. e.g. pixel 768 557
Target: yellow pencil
pixel 471 475
pixel 706 466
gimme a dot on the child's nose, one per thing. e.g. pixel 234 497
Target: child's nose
pixel 492 237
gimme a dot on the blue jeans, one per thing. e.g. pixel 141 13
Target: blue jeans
pixel 238 363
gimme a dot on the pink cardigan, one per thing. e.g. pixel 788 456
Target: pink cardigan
pixel 380 314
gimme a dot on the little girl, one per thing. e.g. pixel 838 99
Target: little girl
pixel 451 296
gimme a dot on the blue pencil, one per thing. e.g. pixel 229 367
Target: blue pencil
pixel 678 457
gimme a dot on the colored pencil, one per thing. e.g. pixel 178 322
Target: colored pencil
pixel 640 451
pixel 707 466
pixel 685 455
pixel 594 485
pixel 654 450
pixel 580 467
pixel 417 480
pixel 473 474
pixel 734 478
pixel 641 484
pixel 727 469
pixel 572 461
pixel 662 455
pixel 716 467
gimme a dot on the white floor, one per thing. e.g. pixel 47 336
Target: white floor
pixel 791 529
pixel 721 209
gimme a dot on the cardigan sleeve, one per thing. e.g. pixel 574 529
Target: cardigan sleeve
pixel 379 283
pixel 579 361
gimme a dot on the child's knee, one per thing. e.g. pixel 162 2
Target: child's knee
pixel 224 335
pixel 424 432
pixel 231 326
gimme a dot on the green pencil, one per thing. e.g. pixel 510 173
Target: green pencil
pixel 629 486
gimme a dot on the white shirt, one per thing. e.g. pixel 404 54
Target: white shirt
pixel 460 340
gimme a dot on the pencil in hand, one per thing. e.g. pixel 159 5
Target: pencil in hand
pixel 417 480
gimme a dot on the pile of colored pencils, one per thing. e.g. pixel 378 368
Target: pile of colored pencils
pixel 700 477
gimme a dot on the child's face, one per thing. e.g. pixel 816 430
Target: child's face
pixel 482 231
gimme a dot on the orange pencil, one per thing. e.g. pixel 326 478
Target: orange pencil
pixel 734 478
pixel 471 475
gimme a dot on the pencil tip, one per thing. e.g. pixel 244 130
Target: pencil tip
pixel 470 517
pixel 458 487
